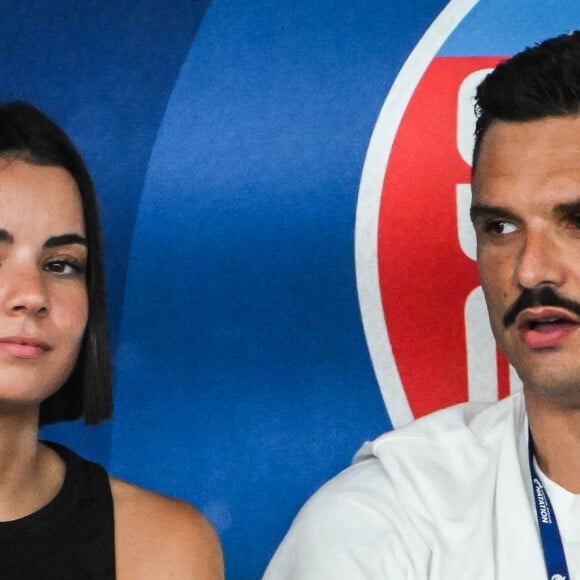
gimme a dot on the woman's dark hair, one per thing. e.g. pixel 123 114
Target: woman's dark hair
pixel 541 81
pixel 28 135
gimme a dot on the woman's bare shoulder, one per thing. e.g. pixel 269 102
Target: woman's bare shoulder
pixel 160 538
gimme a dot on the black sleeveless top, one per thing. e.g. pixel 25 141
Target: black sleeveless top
pixel 72 537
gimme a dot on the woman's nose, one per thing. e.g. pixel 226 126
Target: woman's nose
pixel 25 292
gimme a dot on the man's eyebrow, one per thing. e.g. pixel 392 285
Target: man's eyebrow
pixel 479 210
pixel 64 240
pixel 563 209
pixel 6 237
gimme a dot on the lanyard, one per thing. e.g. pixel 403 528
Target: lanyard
pixel 549 532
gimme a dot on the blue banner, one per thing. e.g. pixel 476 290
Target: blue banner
pixel 244 155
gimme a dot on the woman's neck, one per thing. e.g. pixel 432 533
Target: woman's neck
pixel 30 473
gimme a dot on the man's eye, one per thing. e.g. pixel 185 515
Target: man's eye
pixel 500 227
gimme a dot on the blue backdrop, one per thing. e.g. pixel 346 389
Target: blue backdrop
pixel 226 140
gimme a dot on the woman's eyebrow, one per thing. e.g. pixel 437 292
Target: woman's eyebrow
pixel 64 240
pixel 52 242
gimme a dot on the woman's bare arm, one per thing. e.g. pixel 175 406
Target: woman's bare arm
pixel 159 538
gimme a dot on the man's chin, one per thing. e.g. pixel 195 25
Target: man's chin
pixel 564 391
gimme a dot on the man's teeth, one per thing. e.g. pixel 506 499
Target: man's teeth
pixel 535 323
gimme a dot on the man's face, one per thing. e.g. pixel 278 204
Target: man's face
pixel 526 213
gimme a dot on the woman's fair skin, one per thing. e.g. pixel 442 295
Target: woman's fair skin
pixel 43 315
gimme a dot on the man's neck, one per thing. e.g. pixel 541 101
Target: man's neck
pixel 555 429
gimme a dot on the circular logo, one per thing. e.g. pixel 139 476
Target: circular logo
pixel 422 307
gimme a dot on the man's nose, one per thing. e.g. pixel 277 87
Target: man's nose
pixel 541 260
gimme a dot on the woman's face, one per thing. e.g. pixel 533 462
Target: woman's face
pixel 43 294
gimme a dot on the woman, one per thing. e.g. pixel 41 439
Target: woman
pixel 63 517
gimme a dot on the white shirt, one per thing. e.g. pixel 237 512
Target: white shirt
pixel 448 496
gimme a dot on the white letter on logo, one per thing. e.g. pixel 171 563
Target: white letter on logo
pixel 481 351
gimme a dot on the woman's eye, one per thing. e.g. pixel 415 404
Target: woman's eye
pixel 64 267
pixel 501 227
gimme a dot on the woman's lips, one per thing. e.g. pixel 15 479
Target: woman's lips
pixel 23 346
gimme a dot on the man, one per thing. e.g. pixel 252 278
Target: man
pixel 474 491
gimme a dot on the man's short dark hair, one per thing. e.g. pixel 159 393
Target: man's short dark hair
pixel 29 135
pixel 541 81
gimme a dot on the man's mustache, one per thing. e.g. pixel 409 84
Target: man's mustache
pixel 543 296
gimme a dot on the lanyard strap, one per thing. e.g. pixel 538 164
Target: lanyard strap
pixel 551 540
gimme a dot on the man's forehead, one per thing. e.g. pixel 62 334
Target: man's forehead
pixel 546 132
pixel 534 152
